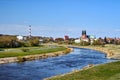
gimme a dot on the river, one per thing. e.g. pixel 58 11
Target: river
pixel 40 69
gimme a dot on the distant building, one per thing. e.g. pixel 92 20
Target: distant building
pixel 59 39
pixel 92 38
pixel 66 37
pixel 87 38
pixel 77 41
pixel 84 36
pixel 20 37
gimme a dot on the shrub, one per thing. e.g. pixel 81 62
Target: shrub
pixel 84 43
pixel 1 49
pixel 21 59
pixel 98 42
pixel 34 42
pixel 25 50
pixel 67 51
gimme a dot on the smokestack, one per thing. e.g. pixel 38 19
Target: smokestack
pixel 29 31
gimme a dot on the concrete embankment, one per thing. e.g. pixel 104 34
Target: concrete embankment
pixel 34 57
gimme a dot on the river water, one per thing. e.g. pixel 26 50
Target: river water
pixel 40 69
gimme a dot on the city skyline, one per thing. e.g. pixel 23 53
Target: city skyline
pixel 57 18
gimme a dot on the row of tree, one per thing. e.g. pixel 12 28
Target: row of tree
pixel 12 42
pixel 101 41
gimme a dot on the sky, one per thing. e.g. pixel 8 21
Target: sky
pixel 57 18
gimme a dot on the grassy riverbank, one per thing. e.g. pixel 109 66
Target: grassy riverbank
pixel 112 51
pixel 115 49
pixel 109 71
pixel 15 52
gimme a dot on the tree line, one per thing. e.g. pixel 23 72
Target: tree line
pixel 13 42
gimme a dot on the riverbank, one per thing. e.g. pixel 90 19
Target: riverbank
pixel 24 51
pixel 52 53
pixel 111 51
pixel 108 53
pixel 109 71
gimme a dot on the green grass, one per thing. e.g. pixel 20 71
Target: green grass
pixel 15 52
pixel 109 71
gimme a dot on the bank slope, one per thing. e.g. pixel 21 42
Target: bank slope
pixel 109 71
pixel 32 54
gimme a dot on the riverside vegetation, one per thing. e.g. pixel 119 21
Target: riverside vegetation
pixel 12 49
pixel 49 53
pixel 112 51
pixel 15 52
pixel 31 53
pixel 109 71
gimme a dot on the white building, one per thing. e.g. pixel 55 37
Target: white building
pixel 20 37
pixel 77 41
pixel 92 38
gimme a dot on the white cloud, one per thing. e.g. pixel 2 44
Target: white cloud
pixel 117 30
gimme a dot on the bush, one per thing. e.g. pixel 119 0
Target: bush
pixel 67 51
pixel 25 50
pixel 84 43
pixel 98 42
pixel 21 59
pixel 34 42
pixel 1 49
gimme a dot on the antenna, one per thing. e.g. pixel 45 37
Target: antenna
pixel 29 31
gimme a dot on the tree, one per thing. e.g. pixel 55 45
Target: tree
pixel 34 42
pixel 105 40
pixel 84 43
pixel 8 41
pixel 98 42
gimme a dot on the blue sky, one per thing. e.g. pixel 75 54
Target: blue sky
pixel 57 18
